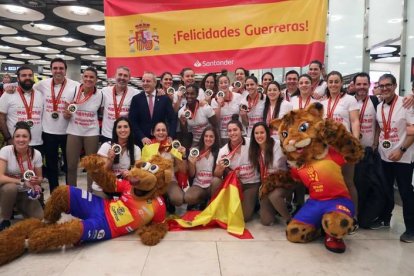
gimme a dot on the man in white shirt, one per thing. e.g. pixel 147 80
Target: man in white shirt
pixel 397 152
pixel 116 101
pixel 57 92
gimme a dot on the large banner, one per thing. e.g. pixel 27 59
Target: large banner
pixel 168 35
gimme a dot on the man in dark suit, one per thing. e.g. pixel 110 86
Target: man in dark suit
pixel 147 109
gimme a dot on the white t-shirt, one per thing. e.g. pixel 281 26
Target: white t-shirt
pixel 368 123
pixel 295 102
pixel 204 171
pixel 59 125
pixel 247 173
pixel 346 104
pixel 12 105
pixel 12 168
pixel 84 122
pixel 226 112
pixel 124 161
pixel 399 120
pixel 109 109
pixel 255 114
pixel 320 90
pixel 200 122
pixel 279 159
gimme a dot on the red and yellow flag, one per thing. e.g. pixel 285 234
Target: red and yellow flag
pixel 211 35
pixel 224 210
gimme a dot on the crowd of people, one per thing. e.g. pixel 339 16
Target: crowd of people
pixel 220 124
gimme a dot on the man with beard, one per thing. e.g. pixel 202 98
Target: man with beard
pixel 57 92
pixel 26 104
pixel 116 101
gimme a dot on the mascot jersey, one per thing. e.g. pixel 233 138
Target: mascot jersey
pixel 323 177
pixel 127 213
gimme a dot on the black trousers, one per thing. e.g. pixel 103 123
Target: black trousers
pixel 51 144
pixel 403 174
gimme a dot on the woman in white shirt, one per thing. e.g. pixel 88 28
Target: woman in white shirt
pixel 15 162
pixel 201 167
pixel 201 115
pixel 304 98
pixel 271 160
pixel 237 152
pixel 344 109
pixel 120 153
pixel 275 106
pixel 83 128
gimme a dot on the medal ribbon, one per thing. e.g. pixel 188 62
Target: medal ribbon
pixel 203 154
pixel 263 168
pixel 78 99
pixel 306 103
pixel 269 114
pixel 233 152
pixel 195 110
pixel 55 101
pixel 364 106
pixel 118 108
pixel 332 110
pixel 252 103
pixel 387 124
pixel 20 161
pixel 28 108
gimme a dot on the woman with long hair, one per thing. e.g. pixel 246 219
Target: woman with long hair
pixel 120 153
pixel 275 106
pixel 271 160
pixel 201 167
pixel 16 161
pixel 235 156
pixel 208 83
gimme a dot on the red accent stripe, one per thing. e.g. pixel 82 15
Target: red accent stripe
pixel 130 7
pixel 255 58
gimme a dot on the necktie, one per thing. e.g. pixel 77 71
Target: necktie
pixel 150 104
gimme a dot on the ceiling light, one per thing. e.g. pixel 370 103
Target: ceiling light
pixel 60 56
pixel 395 20
pixel 358 56
pixel 25 55
pixel 358 36
pixel 382 50
pixel 98 28
pixel 42 48
pixel 336 17
pixel 22 38
pixel 339 47
pixel 66 39
pixel 83 49
pixel 16 9
pixel 4 47
pixel 411 37
pixel 82 11
pixel 45 27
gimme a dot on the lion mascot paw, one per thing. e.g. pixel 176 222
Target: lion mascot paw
pixel 316 149
pixel 139 207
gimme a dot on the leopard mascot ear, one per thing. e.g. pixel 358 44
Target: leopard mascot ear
pixel 316 109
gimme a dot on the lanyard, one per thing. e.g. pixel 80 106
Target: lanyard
pixel 387 123
pixel 233 152
pixel 203 154
pixel 252 103
pixel 117 107
pixel 55 101
pixel 20 161
pixel 28 108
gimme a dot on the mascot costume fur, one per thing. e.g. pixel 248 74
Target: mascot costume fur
pixel 316 149
pixel 138 207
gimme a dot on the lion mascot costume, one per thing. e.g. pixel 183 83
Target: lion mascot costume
pixel 139 207
pixel 316 149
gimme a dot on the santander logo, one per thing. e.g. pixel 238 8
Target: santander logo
pixel 197 64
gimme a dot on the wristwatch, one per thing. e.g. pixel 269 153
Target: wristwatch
pixel 402 149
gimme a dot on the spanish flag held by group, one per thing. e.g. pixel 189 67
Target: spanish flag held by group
pixel 160 35
pixel 224 210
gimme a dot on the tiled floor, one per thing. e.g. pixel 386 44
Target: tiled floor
pixel 214 252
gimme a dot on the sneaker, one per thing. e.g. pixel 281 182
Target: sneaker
pixel 407 236
pixel 4 224
pixel 378 224
pixel 334 245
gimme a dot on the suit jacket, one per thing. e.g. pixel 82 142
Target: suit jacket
pixel 141 121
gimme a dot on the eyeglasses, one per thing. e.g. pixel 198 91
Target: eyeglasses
pixel 385 86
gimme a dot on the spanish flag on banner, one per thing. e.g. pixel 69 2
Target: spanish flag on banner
pixel 224 210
